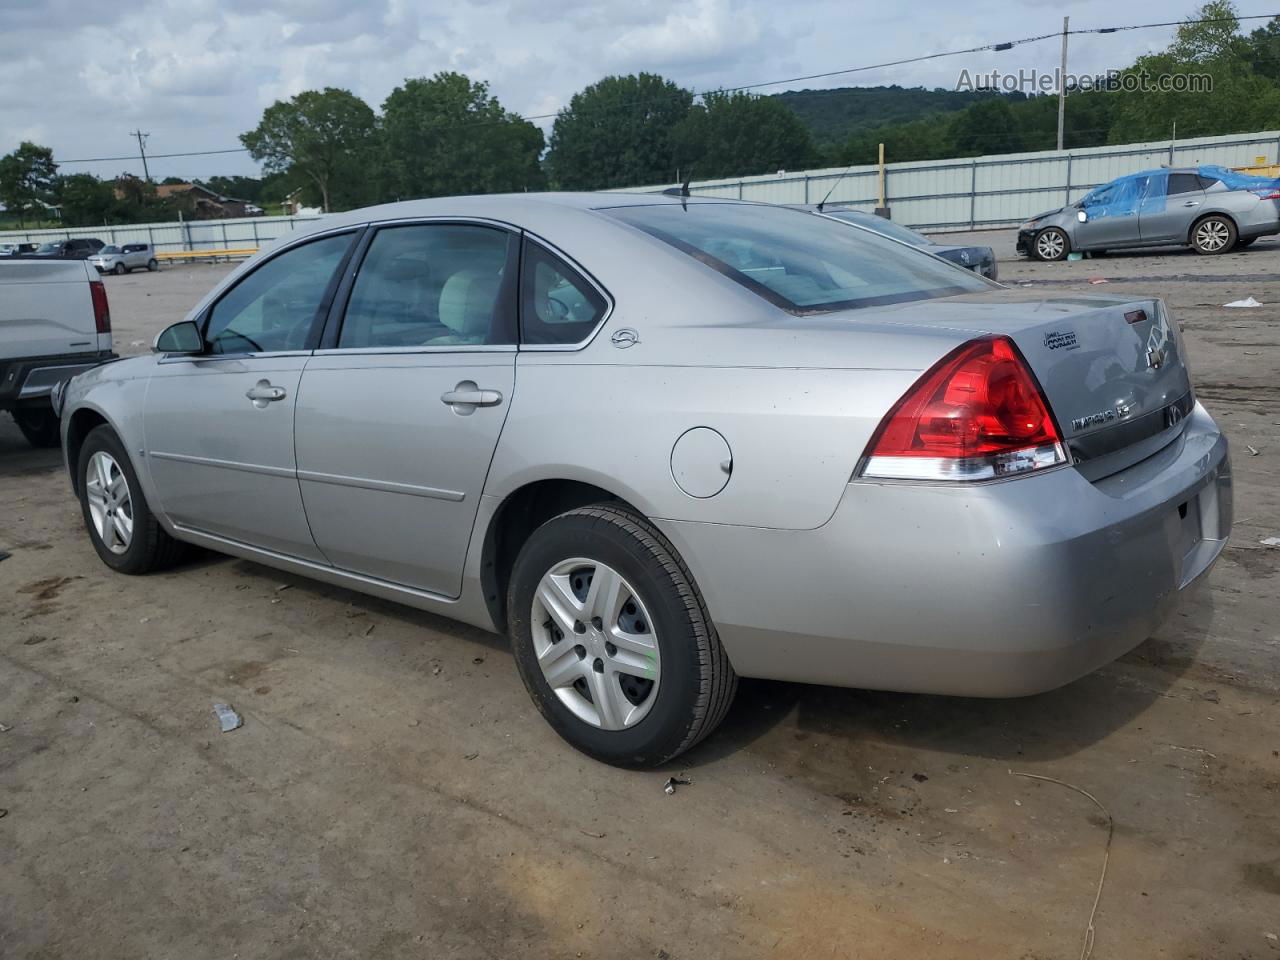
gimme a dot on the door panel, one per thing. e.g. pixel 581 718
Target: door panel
pixel 1113 215
pixel 1172 202
pixel 391 474
pixel 223 462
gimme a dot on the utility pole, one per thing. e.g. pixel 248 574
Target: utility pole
pixel 1062 82
pixel 142 149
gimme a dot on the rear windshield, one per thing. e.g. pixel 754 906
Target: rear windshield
pixel 895 231
pixel 797 261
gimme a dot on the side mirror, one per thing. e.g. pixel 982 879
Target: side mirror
pixel 183 337
pixel 1082 216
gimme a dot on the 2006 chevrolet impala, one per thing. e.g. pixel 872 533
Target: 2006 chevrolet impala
pixel 664 443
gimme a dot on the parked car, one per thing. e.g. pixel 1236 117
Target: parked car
pixel 666 442
pixel 17 249
pixel 1210 209
pixel 54 323
pixel 981 260
pixel 123 259
pixel 76 249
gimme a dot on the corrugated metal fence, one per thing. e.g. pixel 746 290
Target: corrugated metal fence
pixel 988 191
pixel 180 236
pixel 965 194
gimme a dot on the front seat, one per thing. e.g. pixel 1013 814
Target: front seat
pixel 466 306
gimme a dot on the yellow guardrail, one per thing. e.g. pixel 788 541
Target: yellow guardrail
pixel 173 256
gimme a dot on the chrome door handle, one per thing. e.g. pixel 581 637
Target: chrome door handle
pixel 262 393
pixel 1192 203
pixel 466 396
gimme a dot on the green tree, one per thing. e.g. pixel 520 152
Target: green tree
pixel 740 134
pixel 1263 50
pixel 27 178
pixel 241 188
pixel 85 200
pixel 325 136
pixel 618 132
pixel 446 135
pixel 987 127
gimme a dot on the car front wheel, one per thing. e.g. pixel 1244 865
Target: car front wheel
pixel 124 531
pixel 152 266
pixel 1213 235
pixel 1051 243
pixel 612 639
pixel 120 269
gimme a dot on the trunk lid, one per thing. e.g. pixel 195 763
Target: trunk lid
pixel 1112 367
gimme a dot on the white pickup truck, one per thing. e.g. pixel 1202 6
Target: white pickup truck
pixel 54 323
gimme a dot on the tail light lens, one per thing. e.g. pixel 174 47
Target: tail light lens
pixel 1274 195
pixel 978 414
pixel 101 312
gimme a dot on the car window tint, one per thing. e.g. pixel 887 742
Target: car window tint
pixel 798 261
pixel 1206 182
pixel 275 306
pixel 426 285
pixel 557 304
pixel 1184 183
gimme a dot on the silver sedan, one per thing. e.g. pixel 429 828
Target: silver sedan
pixel 663 443
pixel 1210 209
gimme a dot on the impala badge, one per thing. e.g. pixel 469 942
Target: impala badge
pixel 626 337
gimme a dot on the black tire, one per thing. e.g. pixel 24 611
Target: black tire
pixel 1242 242
pixel 696 683
pixel 1217 226
pixel 120 270
pixel 152 266
pixel 1041 241
pixel 150 547
pixel 40 425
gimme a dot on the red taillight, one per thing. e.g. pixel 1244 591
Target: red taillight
pixel 101 312
pixel 976 415
pixel 1272 196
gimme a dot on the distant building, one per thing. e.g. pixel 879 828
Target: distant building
pixel 196 201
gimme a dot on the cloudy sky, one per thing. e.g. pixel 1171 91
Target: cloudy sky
pixel 81 74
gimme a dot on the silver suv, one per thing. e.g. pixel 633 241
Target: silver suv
pixel 124 259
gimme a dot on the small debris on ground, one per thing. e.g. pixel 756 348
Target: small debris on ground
pixel 588 833
pixel 5 555
pixel 471 756
pixel 283 587
pixel 672 782
pixel 919 777
pixel 1246 302
pixel 3 813
pixel 5 728
pixel 369 629
pixel 1096 280
pixel 477 660
pixel 228 719
pixel 1211 696
pixel 1253 451
pixel 1270 541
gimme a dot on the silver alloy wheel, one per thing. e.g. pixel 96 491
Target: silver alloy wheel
pixel 1049 245
pixel 110 505
pixel 1212 235
pixel 595 642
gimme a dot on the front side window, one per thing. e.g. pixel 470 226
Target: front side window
pixel 112 249
pixel 557 304
pixel 277 305
pixel 431 284
pixel 802 263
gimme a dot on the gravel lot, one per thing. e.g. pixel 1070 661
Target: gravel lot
pixel 393 792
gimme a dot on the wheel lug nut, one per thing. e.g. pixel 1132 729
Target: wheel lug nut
pixel 610 649
pixel 579 627
pixel 598 666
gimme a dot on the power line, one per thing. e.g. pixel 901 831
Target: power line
pixel 923 58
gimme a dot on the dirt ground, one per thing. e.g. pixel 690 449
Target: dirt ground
pixel 393 793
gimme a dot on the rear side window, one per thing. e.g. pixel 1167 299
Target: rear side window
pixel 1184 183
pixel 276 306
pixel 802 263
pixel 431 284
pixel 1206 182
pixel 557 304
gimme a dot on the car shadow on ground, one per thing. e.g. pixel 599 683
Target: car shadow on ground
pixel 853 725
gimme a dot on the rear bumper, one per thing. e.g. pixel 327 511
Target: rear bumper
pixel 33 378
pixel 996 590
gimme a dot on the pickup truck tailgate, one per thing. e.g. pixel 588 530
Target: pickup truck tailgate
pixel 46 309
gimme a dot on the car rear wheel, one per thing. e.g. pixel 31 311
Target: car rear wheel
pixel 121 526
pixel 1051 243
pixel 120 268
pixel 1213 235
pixel 152 266
pixel 40 425
pixel 612 639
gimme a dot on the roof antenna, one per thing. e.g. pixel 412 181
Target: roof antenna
pixel 823 202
